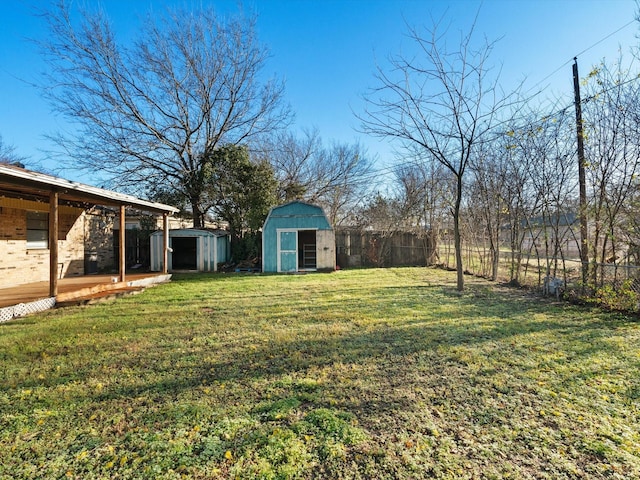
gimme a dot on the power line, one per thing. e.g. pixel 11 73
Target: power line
pixel 605 38
pixel 583 51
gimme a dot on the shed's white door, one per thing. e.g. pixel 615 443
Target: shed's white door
pixel 287 251
pixel 326 249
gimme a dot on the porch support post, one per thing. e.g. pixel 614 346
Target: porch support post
pixel 53 244
pixel 123 261
pixel 165 243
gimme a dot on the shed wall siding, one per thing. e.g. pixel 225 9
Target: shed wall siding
pixel 326 250
pixel 269 250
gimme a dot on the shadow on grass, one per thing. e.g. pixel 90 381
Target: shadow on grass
pixel 437 379
pixel 509 336
pixel 407 327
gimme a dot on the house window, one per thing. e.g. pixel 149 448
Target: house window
pixel 37 230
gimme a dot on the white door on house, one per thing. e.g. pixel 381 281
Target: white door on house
pixel 287 251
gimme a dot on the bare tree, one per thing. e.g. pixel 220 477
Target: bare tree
pixel 294 160
pixel 336 177
pixel 382 217
pixel 441 102
pixel 8 154
pixel 424 190
pixel 489 208
pixel 544 165
pixel 150 113
pixel 613 150
pixel 521 198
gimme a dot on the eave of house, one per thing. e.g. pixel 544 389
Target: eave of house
pixel 20 183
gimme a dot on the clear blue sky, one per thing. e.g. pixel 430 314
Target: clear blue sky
pixel 327 51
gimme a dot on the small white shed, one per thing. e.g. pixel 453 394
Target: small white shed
pixel 191 249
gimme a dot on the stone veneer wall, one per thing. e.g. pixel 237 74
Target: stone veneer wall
pixel 18 265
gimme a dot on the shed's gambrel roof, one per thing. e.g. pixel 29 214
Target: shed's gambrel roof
pixel 297 209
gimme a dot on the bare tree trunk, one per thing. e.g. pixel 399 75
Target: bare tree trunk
pixel 441 106
pixel 456 235
pixel 495 257
pixel 197 214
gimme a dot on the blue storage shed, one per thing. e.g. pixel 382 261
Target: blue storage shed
pixel 191 249
pixel 297 236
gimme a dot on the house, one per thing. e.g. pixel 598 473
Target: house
pixel 296 237
pixel 549 235
pixel 191 249
pixel 52 228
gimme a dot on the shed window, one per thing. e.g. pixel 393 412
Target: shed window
pixel 37 230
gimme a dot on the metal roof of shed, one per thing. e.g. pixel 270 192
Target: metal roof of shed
pixel 193 232
pixel 297 209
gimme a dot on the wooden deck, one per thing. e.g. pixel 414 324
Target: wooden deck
pixel 76 288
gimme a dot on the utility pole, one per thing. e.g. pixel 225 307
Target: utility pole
pixel 584 253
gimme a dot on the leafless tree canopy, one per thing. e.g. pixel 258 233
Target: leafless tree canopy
pixel 334 176
pixel 149 112
pixel 8 154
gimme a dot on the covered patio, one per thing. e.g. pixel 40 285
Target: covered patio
pixel 22 184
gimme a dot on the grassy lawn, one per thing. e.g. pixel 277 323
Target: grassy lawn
pixel 356 374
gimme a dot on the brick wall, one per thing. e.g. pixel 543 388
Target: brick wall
pixel 13 240
pixel 19 265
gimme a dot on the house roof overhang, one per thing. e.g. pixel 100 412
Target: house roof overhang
pixel 18 182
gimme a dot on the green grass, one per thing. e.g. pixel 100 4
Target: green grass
pixel 355 374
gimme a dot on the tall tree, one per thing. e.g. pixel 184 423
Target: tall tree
pixel 489 208
pixel 545 175
pixel 239 191
pixel 384 217
pixel 613 150
pixel 438 102
pixel 151 112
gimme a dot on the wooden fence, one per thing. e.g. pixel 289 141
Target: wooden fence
pixel 356 248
